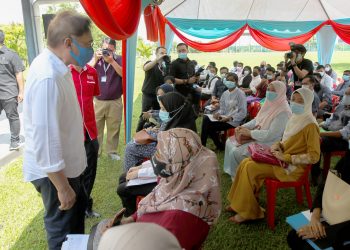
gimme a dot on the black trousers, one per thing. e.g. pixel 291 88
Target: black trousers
pixel 148 102
pixel 89 175
pixel 60 223
pixel 329 144
pixel 212 129
pixel 128 194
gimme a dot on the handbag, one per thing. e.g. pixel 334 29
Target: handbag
pixel 262 153
pixel 336 200
pixel 142 137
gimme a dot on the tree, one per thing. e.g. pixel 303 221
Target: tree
pixel 144 50
pixel 15 39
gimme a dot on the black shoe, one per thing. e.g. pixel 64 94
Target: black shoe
pixel 91 214
pixel 315 180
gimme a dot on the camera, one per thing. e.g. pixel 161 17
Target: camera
pixel 106 52
pixel 289 55
pixel 166 59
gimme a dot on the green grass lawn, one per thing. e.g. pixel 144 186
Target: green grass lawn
pixel 21 210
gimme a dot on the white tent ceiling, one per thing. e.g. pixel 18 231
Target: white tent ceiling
pixel 271 10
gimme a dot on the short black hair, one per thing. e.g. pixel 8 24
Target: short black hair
pixel 347 71
pixel 311 79
pixel 171 78
pixel 298 47
pixel 248 68
pixel 257 68
pixel 160 47
pixel 2 37
pixel 224 68
pixel 195 62
pixel 241 63
pixel 272 69
pixel 182 44
pixel 230 74
pixel 110 41
pixel 320 67
pixel 213 64
pixel 215 68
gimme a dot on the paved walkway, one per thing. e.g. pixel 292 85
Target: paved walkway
pixel 7 156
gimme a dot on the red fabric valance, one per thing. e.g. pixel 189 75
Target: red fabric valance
pixel 211 46
pixel 116 18
pixel 150 18
pixel 342 30
pixel 281 44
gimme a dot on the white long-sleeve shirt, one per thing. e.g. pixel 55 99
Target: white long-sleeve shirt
pixel 53 124
pixel 210 85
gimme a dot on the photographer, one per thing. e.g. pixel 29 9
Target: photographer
pixel 155 71
pixel 295 61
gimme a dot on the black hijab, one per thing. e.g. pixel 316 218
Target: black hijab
pixel 180 111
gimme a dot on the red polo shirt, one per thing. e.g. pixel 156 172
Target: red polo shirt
pixel 87 86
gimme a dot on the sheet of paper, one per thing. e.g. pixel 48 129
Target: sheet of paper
pixel 211 117
pixel 137 182
pixel 76 242
pixel 307 214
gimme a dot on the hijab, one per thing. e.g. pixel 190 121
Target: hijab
pixel 194 186
pixel 180 111
pixel 271 109
pixel 146 236
pixel 297 122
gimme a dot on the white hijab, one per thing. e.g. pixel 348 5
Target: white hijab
pixel 297 122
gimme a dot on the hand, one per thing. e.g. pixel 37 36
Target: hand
pixel 132 169
pixel 214 99
pixel 108 59
pixel 98 55
pixel 278 155
pixel 292 60
pixel 244 131
pixel 192 79
pixel 146 115
pixel 127 220
pixel 67 198
pixel 305 232
pixel 132 175
pixel 276 147
pixel 160 58
pixel 20 97
pixel 217 116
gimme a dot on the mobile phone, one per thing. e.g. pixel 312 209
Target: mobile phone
pixel 195 86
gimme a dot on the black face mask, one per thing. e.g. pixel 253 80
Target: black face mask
pixel 159 168
pixel 262 66
pixel 317 87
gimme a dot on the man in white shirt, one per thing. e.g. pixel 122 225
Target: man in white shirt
pixel 54 156
pixel 209 85
pixel 326 79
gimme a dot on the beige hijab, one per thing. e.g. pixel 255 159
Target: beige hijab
pixel 195 186
pixel 271 109
pixel 297 122
pixel 133 236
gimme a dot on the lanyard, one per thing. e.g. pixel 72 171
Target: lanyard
pixel 106 68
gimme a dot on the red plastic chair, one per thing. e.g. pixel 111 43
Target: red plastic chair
pixel 138 199
pixel 253 109
pixel 228 133
pixel 327 160
pixel 335 102
pixel 272 185
pixel 202 103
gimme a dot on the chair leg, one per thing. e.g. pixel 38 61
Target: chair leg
pixel 308 194
pixel 271 191
pixel 299 194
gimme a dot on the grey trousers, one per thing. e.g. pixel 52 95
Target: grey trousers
pixel 60 223
pixel 10 107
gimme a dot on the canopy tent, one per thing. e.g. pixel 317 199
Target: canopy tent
pixel 272 23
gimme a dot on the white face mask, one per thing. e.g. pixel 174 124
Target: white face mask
pixel 327 69
pixel 246 72
pixel 239 68
pixel 321 73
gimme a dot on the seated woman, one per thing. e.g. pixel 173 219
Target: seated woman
pixel 187 200
pixel 266 128
pixel 246 78
pixel 330 235
pixel 299 147
pixel 337 133
pixel 175 112
pixel 232 112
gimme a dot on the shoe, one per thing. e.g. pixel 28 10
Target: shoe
pixel 114 157
pixel 15 145
pixel 91 214
pixel 236 220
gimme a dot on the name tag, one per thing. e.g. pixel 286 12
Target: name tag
pixel 103 78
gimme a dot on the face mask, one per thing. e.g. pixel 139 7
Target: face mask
pixel 211 74
pixel 346 78
pixel 271 95
pixel 321 73
pixel 297 108
pixel 246 72
pixel 183 56
pixel 164 116
pixel 239 68
pixel 255 74
pixel 268 77
pixel 327 69
pixel 346 100
pixel 229 84
pixel 223 76
pixel 159 168
pixel 85 54
pixel 305 86
pixel 299 58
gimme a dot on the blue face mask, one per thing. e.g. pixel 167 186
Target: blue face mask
pixel 229 84
pixel 183 56
pixel 297 108
pixel 164 116
pixel 346 78
pixel 85 54
pixel 271 95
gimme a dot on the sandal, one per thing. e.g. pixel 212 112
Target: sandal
pixel 234 220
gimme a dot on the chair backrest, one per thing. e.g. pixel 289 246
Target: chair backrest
pixel 335 102
pixel 254 109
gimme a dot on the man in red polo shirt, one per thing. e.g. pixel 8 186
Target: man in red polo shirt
pixel 87 86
